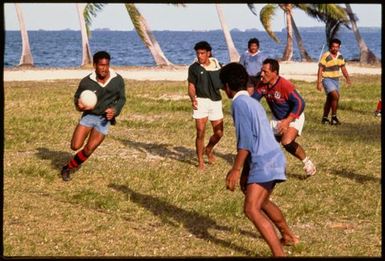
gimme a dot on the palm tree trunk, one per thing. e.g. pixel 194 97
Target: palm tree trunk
pixel 288 52
pixel 26 55
pixel 366 55
pixel 146 35
pixel 305 57
pixel 233 53
pixel 86 51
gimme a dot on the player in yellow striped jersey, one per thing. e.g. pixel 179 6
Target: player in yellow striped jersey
pixel 328 77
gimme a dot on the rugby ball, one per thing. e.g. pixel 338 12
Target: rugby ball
pixel 88 98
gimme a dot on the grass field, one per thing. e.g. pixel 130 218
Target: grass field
pixel 140 193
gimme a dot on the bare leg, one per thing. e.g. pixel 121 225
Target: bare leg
pixel 335 96
pixel 290 135
pixel 79 136
pixel 96 138
pixel 327 105
pixel 214 139
pixel 256 197
pixel 199 141
pixel 275 214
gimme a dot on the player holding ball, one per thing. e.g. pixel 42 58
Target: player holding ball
pixel 95 120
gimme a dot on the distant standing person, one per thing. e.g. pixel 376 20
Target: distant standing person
pixel 94 123
pixel 328 77
pixel 287 108
pixel 260 158
pixel 252 60
pixel 204 90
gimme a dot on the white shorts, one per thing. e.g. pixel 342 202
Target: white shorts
pixel 208 108
pixel 296 124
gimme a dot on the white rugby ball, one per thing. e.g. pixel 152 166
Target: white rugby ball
pixel 88 98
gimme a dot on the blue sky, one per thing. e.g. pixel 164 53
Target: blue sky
pixel 59 16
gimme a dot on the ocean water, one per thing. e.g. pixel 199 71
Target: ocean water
pixel 63 48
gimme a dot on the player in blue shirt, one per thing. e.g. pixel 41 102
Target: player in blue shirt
pixel 252 60
pixel 260 158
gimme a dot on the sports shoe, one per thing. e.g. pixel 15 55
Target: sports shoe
pixel 377 113
pixel 65 173
pixel 335 121
pixel 325 120
pixel 309 168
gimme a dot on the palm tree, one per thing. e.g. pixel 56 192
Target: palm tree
pixel 233 53
pixel 86 51
pixel 140 26
pixel 331 14
pixel 26 55
pixel 366 55
pixel 146 35
pixel 85 12
pixel 266 14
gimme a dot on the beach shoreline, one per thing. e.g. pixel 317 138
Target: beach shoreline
pixel 305 71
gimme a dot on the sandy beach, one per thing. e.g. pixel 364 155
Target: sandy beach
pixel 291 70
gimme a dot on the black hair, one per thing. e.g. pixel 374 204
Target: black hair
pixel 251 41
pixel 235 75
pixel 101 55
pixel 274 65
pixel 334 40
pixel 202 45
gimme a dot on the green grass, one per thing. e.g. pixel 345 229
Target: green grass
pixel 140 193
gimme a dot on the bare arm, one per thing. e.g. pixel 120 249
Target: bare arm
pixel 192 94
pixel 319 78
pixel 234 174
pixel 346 74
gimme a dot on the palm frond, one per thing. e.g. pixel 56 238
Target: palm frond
pixel 89 12
pixel 266 14
pixel 252 9
pixel 136 18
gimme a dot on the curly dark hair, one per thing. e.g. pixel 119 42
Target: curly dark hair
pixel 235 75
pixel 101 55
pixel 202 45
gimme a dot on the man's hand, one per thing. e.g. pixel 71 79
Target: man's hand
pixel 110 113
pixel 232 179
pixel 81 107
pixel 194 103
pixel 319 86
pixel 348 82
pixel 283 125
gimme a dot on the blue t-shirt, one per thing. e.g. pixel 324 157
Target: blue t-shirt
pixel 253 132
pixel 253 64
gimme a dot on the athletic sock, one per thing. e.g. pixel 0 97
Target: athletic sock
pixel 305 160
pixel 78 159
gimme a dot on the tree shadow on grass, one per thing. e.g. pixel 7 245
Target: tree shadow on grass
pixel 58 158
pixel 165 150
pixel 359 178
pixel 195 223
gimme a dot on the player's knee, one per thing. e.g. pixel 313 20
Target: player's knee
pixel 219 133
pixel 291 147
pixel 250 211
pixel 75 147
